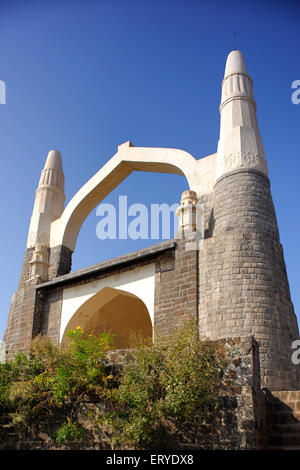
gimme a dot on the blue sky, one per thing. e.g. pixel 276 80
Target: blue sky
pixel 85 76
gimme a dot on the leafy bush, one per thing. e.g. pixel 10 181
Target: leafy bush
pixel 177 383
pixel 70 430
pixel 50 376
pixel 157 389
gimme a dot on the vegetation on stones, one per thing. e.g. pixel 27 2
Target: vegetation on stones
pixel 157 389
pixel 166 387
pixel 70 430
pixel 49 378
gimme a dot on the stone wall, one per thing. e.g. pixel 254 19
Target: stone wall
pixel 176 293
pixel 18 334
pixel 60 261
pixel 243 285
pixel 239 421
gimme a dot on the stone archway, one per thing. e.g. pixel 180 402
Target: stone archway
pixel 65 229
pixel 115 310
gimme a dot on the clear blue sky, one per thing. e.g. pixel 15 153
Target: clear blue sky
pixel 85 76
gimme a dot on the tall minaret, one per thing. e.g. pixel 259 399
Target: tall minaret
pixel 244 289
pixel 49 200
pixel 240 144
pixel 23 321
pixel 48 206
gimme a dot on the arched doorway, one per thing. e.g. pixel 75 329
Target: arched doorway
pixel 115 310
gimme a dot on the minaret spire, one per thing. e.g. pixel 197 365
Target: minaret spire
pixel 240 144
pixel 49 200
pixel 245 292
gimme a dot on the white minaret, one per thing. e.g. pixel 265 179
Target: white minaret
pixel 48 206
pixel 240 144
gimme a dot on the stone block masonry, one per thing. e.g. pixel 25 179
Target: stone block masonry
pixel 18 334
pixel 176 292
pixel 243 287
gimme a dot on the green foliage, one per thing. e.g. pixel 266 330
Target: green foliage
pixel 70 430
pixel 176 383
pixel 158 387
pixel 52 377
pixel 5 383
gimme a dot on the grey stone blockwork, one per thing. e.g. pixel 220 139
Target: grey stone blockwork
pixel 18 334
pixel 243 286
pixel 60 261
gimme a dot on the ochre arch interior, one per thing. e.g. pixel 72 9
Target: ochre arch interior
pixel 120 312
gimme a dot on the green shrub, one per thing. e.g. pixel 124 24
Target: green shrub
pixel 52 376
pixel 70 430
pixel 158 388
pixel 6 373
pixel 177 383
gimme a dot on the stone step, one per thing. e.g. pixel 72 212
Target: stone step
pixel 283 417
pixel 279 406
pixel 280 448
pixel 285 396
pixel 278 403
pixel 284 440
pixel 293 406
pixel 293 428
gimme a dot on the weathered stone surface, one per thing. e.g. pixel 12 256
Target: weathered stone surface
pixel 60 261
pixel 243 287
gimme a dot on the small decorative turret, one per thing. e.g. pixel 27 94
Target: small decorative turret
pixel 187 212
pixel 191 222
pixel 240 144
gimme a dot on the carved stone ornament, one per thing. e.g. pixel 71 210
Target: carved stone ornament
pixel 242 159
pixel 39 263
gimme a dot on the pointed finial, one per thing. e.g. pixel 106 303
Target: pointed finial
pixel 54 160
pixel 234 36
pixel 240 144
pixel 52 174
pixel 235 63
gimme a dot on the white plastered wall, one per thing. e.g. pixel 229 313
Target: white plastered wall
pixel 139 281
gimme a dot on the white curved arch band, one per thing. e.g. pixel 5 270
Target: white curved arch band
pixel 64 231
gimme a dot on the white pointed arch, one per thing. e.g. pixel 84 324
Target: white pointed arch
pixel 137 282
pixel 120 312
pixel 64 231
